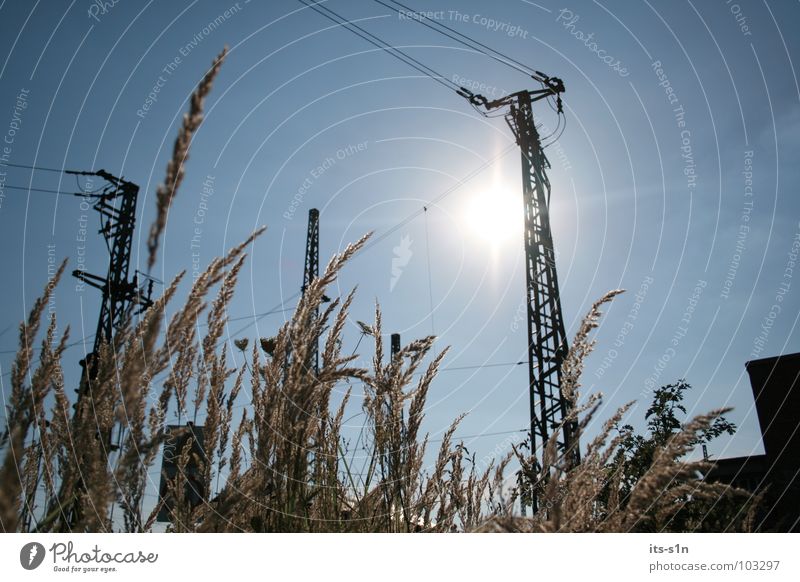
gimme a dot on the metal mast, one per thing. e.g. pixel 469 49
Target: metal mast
pixel 395 345
pixel 547 344
pixel 547 338
pixel 311 270
pixel 116 205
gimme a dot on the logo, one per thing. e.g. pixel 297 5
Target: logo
pixel 31 555
pixel 402 255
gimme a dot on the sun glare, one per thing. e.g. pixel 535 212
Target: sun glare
pixel 495 214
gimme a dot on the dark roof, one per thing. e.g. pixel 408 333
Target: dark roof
pixel 772 360
pixel 740 466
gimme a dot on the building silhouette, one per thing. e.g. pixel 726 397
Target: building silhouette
pixel 776 388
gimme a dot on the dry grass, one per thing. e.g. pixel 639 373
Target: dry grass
pixel 283 464
pixel 166 191
pixel 55 455
pixel 299 478
pixel 285 467
pixel 586 497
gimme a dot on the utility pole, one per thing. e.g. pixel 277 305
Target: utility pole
pixel 116 205
pixel 311 270
pixel 395 345
pixel 547 342
pixel 121 297
pixel 547 338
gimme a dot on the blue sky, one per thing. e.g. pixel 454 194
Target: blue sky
pixel 674 178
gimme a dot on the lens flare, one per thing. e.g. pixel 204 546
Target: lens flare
pixel 495 215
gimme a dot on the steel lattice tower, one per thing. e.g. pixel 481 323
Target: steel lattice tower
pixel 547 338
pixel 311 270
pixel 120 295
pixel 547 343
pixel 395 349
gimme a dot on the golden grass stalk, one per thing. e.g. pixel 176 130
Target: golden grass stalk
pixel 166 191
pixel 20 468
pixel 285 467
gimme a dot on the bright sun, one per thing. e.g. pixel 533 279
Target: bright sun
pixel 495 214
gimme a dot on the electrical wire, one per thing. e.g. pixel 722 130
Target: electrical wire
pixel 440 197
pixel 498 56
pixel 477 46
pixel 552 133
pixel 398 54
pixel 264 314
pixel 482 366
pixel 46 191
pixel 77 174
pixel 381 44
pixel 560 133
pixel 40 168
pixel 91 336
pixel 430 275
pixel 82 189
pixel 481 435
pixel 279 308
pixel 424 20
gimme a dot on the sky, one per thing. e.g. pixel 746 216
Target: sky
pixel 675 178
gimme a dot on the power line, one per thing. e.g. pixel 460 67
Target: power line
pixel 90 336
pixel 444 369
pixel 258 318
pixel 481 366
pixel 69 345
pixel 238 318
pixel 440 197
pixel 481 435
pixel 409 218
pixel 41 168
pixel 279 307
pixel 46 191
pixel 424 20
pixel 262 314
pixel 76 173
pixel 430 275
pixel 381 44
pixel 375 41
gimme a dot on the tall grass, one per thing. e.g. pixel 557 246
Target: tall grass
pixel 165 193
pixel 283 465
pixel 587 497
